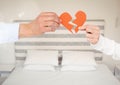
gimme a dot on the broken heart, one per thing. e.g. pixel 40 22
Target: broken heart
pixel 69 23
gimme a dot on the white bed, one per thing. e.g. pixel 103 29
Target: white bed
pixel 101 76
pixel 78 69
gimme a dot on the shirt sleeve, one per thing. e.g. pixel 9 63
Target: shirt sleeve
pixel 107 46
pixel 9 32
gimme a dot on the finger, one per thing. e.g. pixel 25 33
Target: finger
pixel 48 13
pixel 89 30
pixel 52 20
pixel 47 29
pixel 82 27
pixel 92 28
pixel 53 29
pixel 92 36
pixel 48 16
pixel 51 24
pixel 89 36
pixel 93 33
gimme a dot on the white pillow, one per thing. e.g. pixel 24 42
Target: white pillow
pixel 77 68
pixel 78 61
pixel 37 57
pixel 39 67
pixel 41 60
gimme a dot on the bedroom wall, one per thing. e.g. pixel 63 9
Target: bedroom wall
pixel 95 9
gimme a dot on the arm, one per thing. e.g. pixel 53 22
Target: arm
pixel 98 42
pixel 45 22
pixel 108 46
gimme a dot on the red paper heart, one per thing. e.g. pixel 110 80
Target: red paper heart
pixel 79 21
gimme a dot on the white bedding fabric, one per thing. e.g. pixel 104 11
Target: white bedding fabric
pixel 101 76
pixel 37 57
pixel 77 68
pixel 41 60
pixel 78 58
pixel 78 61
pixel 39 67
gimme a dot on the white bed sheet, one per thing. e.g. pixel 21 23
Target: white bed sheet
pixel 102 76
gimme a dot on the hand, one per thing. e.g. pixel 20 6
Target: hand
pixel 92 33
pixel 45 22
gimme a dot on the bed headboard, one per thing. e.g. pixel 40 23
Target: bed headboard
pixel 59 40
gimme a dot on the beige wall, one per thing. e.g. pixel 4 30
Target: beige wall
pixel 95 9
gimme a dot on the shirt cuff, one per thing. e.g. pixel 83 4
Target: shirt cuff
pixel 9 32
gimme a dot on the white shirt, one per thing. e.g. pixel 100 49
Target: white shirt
pixel 109 47
pixel 9 32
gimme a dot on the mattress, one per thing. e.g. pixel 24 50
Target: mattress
pixel 101 76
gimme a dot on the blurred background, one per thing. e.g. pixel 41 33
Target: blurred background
pixel 107 10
